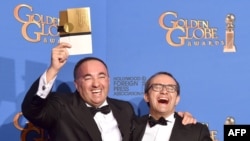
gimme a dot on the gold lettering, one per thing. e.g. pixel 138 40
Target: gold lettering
pixel 181 31
pixel 45 40
pixel 46 25
pixel 196 43
pixel 16 12
pixel 170 40
pixel 53 30
pixel 52 40
pixel 25 32
pixel 29 128
pixel 196 34
pixel 213 135
pixel 194 24
pixel 16 121
pixel 163 18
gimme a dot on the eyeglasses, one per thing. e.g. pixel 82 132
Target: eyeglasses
pixel 159 87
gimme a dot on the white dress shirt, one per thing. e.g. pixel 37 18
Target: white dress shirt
pixel 44 86
pixel 159 132
pixel 107 125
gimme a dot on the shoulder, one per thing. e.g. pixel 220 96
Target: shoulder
pixel 198 125
pixel 141 119
pixel 62 98
pixel 118 102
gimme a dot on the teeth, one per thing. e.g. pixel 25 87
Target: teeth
pixel 96 91
pixel 163 98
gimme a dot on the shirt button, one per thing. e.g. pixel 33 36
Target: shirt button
pixel 43 88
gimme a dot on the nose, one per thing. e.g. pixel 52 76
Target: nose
pixel 164 90
pixel 96 82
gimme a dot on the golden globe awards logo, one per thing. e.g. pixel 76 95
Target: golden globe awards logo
pixel 196 33
pixel 36 27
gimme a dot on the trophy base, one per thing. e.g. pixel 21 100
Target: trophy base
pixel 231 49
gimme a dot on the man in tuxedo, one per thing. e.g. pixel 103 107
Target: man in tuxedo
pixel 162 94
pixel 86 115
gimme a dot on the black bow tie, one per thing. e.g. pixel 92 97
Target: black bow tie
pixel 152 122
pixel 104 110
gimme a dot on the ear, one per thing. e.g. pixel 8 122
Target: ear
pixel 146 97
pixel 178 98
pixel 76 85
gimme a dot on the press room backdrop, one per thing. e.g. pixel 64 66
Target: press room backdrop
pixel 204 44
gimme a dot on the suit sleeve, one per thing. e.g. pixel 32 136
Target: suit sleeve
pixel 205 134
pixel 39 111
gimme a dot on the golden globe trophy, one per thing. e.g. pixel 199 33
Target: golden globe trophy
pixel 229 43
pixel 230 121
pixel 75 28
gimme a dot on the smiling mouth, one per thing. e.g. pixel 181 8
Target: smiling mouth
pixel 163 101
pixel 96 91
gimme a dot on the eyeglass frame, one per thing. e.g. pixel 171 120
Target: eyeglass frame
pixel 148 82
pixel 170 88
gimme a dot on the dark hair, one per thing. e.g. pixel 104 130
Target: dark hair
pixel 85 60
pixel 148 82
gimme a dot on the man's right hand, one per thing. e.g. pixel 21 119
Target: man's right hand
pixel 59 57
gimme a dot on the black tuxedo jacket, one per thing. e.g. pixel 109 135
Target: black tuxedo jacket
pixel 67 118
pixel 180 132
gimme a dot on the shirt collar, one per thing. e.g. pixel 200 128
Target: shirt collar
pixel 170 118
pixel 103 104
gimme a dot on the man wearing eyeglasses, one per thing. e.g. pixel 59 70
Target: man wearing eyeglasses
pixel 162 94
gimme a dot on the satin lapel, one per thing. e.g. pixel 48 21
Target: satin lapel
pixel 178 129
pixel 84 116
pixel 121 118
pixel 140 127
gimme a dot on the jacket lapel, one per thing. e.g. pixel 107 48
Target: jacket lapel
pixel 140 127
pixel 84 116
pixel 178 130
pixel 121 116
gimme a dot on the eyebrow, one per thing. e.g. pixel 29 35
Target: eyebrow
pixel 101 73
pixel 163 84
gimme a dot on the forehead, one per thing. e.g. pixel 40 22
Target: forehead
pixel 92 67
pixel 163 79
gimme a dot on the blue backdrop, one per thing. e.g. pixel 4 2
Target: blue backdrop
pixel 190 39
